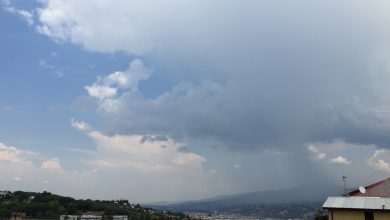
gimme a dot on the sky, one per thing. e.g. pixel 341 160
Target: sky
pixel 181 100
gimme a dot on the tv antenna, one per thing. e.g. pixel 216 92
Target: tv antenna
pixel 345 189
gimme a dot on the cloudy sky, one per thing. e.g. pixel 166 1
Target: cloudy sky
pixel 179 100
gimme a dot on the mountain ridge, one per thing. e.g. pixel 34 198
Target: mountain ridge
pixel 301 194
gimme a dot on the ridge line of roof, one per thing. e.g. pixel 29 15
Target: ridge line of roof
pixel 377 183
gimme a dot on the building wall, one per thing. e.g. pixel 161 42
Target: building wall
pixel 340 214
pixel 382 215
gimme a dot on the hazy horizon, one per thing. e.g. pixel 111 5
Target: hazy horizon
pixel 183 100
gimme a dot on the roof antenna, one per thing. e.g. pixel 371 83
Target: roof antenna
pixel 345 189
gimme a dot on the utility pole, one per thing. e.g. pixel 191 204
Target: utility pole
pixel 345 189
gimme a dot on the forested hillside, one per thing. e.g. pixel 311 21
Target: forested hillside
pixel 46 205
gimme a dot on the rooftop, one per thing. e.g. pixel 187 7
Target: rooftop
pixel 378 189
pixel 367 203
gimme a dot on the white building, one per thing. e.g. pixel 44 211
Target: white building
pixel 120 217
pixel 69 217
pixel 92 216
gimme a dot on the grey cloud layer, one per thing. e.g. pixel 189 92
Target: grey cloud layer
pixel 288 73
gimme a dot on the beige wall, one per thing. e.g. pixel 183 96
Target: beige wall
pixel 381 215
pixel 340 214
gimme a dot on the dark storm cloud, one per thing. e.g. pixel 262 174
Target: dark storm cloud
pixel 277 74
pixel 289 87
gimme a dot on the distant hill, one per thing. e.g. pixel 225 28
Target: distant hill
pixel 304 194
pixel 46 205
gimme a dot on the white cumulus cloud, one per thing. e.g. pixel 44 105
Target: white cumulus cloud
pixel 101 91
pixel 80 125
pixel 14 155
pixel 339 160
pixel 30 169
pixel 380 160
pixel 51 165
pixel 107 88
pixel 130 78
pixel 75 21
pixel 190 160
pixel 316 154
pixel 139 152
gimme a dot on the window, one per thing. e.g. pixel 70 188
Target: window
pixel 369 216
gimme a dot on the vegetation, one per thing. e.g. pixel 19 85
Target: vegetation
pixel 46 205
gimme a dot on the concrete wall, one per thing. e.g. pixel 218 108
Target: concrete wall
pixel 345 214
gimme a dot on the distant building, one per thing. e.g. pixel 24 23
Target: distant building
pixel 18 216
pixel 370 203
pixel 93 215
pixel 120 217
pixel 69 217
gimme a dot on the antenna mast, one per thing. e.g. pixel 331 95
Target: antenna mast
pixel 345 189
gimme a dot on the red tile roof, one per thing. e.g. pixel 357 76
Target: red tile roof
pixel 378 189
